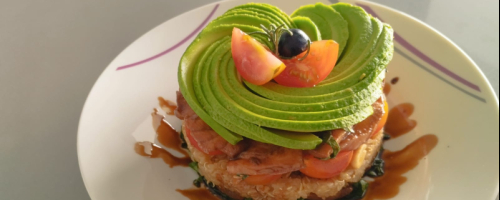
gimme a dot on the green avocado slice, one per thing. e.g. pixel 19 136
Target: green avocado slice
pixel 308 26
pixel 330 23
pixel 272 17
pixel 240 18
pixel 194 103
pixel 268 9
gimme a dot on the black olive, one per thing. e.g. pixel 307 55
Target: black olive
pixel 290 45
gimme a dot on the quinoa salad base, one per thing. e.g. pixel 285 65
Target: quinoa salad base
pixel 291 186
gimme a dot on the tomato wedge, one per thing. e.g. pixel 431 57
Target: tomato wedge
pixel 253 61
pixel 262 179
pixel 383 121
pixel 313 69
pixel 325 169
pixel 195 144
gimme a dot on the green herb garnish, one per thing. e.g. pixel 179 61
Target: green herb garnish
pixel 184 143
pixel 358 192
pixel 328 139
pixel 243 176
pixel 378 167
pixel 387 136
pixel 194 166
pixel 274 33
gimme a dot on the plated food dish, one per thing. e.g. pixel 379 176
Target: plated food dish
pixel 413 136
pixel 270 113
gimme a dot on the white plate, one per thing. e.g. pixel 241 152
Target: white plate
pixel 452 97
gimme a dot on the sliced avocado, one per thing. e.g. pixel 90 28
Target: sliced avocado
pixel 206 85
pixel 206 49
pixel 374 64
pixel 239 18
pixel 351 60
pixel 330 23
pixel 269 9
pixel 202 113
pixel 363 31
pixel 273 113
pixel 308 26
pixel 261 14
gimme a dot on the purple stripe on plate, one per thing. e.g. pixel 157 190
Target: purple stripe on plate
pixel 198 29
pixel 424 57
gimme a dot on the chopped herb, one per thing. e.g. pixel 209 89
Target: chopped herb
pixel 328 138
pixel 378 167
pixel 184 143
pixel 243 176
pixel 194 166
pixel 215 191
pixel 358 192
pixel 301 198
pixel 387 136
pixel 210 186
pixel 198 182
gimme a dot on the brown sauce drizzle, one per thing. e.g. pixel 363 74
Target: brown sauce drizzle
pixel 167 105
pixel 387 89
pixel 397 164
pixel 400 162
pixel 168 137
pixel 386 187
pixel 395 81
pixel 158 152
pixel 198 194
pixel 399 122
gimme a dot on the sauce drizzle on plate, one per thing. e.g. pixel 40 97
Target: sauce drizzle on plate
pixel 397 164
pixel 168 137
pixel 167 105
pixel 197 194
pixel 388 186
pixel 387 89
pixel 400 162
pixel 399 122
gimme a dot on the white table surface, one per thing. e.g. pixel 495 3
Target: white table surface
pixel 52 52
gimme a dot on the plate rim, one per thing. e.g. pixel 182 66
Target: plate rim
pixel 490 92
pixel 484 79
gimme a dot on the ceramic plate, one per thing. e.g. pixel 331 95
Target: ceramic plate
pixel 452 100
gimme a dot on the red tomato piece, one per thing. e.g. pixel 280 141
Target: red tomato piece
pixel 325 169
pixel 253 61
pixel 313 69
pixel 195 144
pixel 262 179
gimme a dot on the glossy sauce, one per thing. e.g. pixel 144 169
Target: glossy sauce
pixel 167 105
pixel 386 187
pixel 158 152
pixel 395 81
pixel 198 194
pixel 387 89
pixel 168 137
pixel 397 164
pixel 399 122
pixel 400 162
